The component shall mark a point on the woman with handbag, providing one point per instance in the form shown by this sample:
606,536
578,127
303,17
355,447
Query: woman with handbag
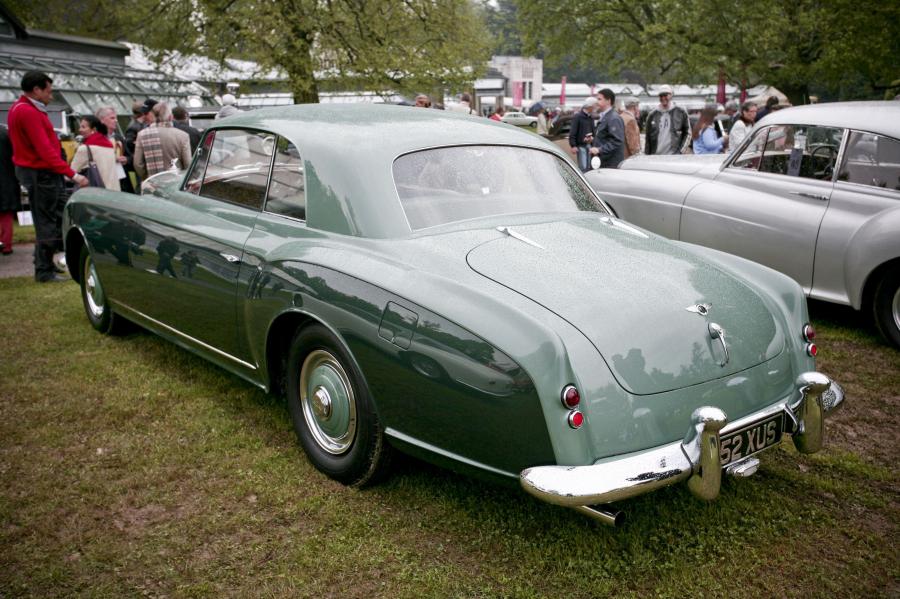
95,158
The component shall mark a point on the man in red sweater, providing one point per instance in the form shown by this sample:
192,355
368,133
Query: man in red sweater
40,167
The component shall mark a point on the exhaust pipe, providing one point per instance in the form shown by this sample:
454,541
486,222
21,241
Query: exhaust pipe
605,514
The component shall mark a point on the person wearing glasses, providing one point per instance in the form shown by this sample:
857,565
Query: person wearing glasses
668,126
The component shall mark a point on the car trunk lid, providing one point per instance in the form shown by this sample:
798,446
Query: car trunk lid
643,302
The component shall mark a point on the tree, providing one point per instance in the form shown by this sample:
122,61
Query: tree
795,45
374,45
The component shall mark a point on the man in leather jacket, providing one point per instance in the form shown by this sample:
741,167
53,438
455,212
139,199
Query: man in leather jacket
668,126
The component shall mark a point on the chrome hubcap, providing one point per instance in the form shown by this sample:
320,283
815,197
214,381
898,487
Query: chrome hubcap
328,402
93,290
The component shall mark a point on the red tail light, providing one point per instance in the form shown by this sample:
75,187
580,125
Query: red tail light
809,333
812,350
576,419
570,397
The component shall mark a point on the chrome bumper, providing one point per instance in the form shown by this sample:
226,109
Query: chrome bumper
695,459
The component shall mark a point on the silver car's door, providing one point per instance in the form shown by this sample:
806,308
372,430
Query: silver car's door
777,194
854,237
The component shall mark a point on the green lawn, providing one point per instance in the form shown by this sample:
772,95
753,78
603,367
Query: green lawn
23,234
128,467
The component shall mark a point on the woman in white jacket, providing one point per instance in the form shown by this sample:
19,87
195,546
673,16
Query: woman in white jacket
743,125
96,145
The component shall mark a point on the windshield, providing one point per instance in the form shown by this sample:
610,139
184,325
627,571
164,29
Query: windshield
446,185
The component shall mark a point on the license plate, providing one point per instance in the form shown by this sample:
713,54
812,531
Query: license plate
751,439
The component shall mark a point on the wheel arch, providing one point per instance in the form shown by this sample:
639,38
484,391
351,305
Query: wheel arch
74,242
872,280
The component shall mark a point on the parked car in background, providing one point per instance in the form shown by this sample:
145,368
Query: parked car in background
519,119
814,192
459,294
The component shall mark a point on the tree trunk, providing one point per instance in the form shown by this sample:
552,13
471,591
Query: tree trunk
797,93
304,88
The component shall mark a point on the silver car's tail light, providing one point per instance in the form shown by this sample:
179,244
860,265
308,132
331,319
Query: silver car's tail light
811,350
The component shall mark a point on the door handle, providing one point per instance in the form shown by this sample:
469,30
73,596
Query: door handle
229,257
814,196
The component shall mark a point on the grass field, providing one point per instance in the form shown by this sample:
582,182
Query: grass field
128,467
23,234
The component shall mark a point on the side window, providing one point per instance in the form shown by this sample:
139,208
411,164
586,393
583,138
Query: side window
871,159
801,151
287,194
238,167
752,154
195,177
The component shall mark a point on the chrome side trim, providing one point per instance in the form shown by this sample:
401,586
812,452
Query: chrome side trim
443,452
183,336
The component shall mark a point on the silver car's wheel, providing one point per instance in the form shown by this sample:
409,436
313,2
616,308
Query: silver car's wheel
328,401
886,306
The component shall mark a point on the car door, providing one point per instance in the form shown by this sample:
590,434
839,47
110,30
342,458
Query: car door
867,186
193,255
777,193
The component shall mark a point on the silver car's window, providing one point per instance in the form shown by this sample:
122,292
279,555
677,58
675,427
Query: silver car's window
871,159
752,155
801,151
446,185
286,191
238,167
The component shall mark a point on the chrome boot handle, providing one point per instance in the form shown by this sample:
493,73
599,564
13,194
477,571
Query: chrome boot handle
717,332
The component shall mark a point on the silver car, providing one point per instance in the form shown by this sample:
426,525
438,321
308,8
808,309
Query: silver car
814,192
520,119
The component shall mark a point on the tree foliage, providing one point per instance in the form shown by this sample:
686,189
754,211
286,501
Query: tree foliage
375,45
796,45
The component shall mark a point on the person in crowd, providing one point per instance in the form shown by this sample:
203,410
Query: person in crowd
731,113
10,197
107,116
97,148
498,114
182,121
581,133
668,126
142,117
543,127
743,125
704,135
40,168
423,101
465,104
630,114
609,137
160,144
771,103
229,107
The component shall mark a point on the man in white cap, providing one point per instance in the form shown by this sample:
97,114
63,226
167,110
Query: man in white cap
228,107
581,133
668,126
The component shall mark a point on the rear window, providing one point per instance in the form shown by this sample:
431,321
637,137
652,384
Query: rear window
446,185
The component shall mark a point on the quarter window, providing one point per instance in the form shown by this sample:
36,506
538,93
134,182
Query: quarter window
195,177
286,193
237,168
752,154
872,160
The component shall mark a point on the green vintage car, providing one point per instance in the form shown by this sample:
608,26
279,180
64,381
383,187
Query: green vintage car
451,287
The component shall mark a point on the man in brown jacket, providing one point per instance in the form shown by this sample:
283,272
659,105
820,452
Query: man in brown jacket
160,146
632,132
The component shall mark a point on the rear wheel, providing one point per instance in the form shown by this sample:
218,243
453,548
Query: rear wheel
332,411
93,296
887,306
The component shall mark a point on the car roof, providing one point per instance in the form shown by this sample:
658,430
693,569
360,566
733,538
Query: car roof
349,152
877,117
